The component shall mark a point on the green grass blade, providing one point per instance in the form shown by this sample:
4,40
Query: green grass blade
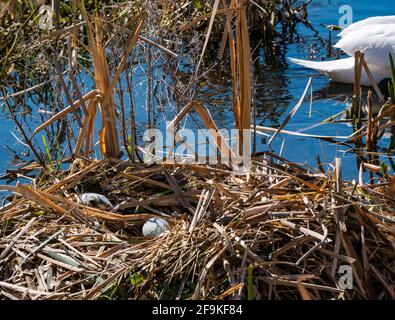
47,151
249,283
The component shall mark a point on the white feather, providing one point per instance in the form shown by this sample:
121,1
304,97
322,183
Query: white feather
366,23
376,42
375,37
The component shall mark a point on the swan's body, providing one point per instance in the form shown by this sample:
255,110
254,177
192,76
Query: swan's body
375,37
372,21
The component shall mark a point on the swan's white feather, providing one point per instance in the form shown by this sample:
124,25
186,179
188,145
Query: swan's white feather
375,37
341,70
376,42
366,23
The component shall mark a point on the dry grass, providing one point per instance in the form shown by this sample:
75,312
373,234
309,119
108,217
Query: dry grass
279,232
281,220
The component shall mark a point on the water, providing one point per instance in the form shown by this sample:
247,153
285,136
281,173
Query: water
278,90
324,12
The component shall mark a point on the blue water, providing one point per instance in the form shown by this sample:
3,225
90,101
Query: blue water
277,91
302,150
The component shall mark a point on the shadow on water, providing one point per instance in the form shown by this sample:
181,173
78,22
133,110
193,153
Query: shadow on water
271,81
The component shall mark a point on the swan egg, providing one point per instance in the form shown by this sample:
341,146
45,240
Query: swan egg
154,227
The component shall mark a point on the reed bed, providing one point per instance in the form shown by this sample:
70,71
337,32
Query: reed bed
282,232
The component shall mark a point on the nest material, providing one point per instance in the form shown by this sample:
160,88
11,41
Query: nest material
281,232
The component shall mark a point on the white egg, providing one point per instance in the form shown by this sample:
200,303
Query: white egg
154,227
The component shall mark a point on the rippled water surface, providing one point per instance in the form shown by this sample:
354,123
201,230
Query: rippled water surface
279,89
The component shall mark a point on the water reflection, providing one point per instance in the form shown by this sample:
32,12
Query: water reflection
278,86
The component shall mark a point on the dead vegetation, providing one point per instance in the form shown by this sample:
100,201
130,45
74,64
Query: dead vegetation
281,231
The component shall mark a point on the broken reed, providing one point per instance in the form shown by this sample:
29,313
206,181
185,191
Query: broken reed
360,66
237,15
237,35
373,129
102,97
372,126
356,110
277,235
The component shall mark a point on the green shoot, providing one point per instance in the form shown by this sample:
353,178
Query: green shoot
47,151
249,283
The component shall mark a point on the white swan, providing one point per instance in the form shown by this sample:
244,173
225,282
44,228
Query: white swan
375,37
